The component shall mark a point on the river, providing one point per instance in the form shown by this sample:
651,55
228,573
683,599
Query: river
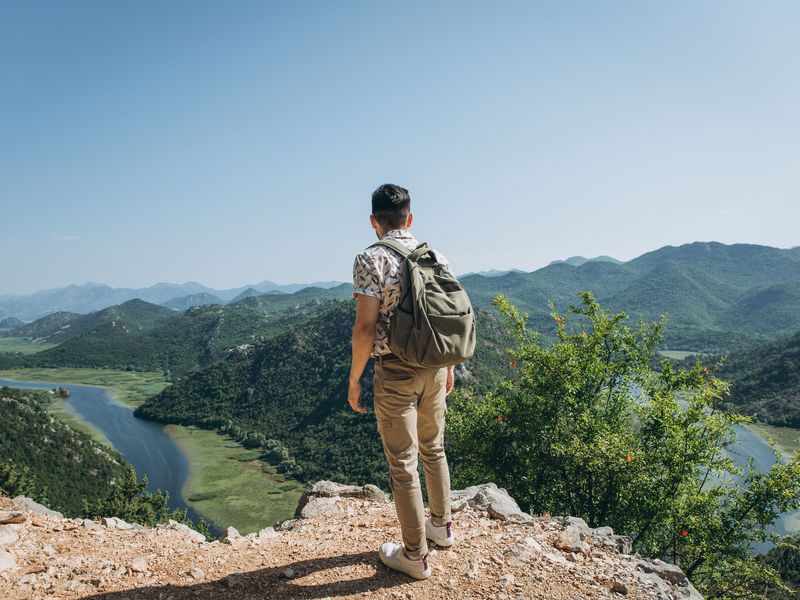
142,443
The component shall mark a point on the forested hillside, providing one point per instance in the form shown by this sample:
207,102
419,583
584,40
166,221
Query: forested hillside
765,381
63,465
293,389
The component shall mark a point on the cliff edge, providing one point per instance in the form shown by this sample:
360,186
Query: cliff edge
328,551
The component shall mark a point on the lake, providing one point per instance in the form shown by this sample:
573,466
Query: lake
142,443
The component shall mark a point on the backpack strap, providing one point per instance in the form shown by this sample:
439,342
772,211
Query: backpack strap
404,251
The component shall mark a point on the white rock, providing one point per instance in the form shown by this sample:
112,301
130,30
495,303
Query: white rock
7,561
139,564
196,573
288,572
8,534
230,534
506,579
533,544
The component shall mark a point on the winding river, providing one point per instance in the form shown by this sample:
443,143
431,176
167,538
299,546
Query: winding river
142,443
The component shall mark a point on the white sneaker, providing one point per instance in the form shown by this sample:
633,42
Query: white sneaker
441,535
392,556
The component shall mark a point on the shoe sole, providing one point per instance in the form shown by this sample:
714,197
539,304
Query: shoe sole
412,575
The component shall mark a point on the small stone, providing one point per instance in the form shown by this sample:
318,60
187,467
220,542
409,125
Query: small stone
230,534
139,564
506,579
569,540
288,572
90,525
619,588
196,573
533,544
48,550
109,522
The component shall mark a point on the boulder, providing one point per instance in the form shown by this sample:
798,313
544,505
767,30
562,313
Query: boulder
666,571
186,531
324,493
26,504
490,498
569,540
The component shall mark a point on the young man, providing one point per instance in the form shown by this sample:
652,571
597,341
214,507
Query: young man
409,401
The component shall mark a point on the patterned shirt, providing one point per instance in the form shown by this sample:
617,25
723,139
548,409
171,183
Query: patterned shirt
377,272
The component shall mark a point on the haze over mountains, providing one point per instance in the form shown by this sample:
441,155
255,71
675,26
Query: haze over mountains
90,297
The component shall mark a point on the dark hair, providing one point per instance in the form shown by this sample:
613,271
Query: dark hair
391,205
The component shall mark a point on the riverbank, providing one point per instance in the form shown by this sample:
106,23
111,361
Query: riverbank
225,484
229,485
787,439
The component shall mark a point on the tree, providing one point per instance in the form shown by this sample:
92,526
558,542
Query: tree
585,427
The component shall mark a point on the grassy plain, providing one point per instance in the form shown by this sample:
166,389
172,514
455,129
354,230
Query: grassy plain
130,388
676,354
22,345
229,485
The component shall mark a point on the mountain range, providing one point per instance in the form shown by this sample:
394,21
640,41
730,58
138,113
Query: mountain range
91,297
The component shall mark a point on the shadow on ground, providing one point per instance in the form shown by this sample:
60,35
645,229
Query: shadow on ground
309,581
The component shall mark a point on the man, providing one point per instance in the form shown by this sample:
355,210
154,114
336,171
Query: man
409,401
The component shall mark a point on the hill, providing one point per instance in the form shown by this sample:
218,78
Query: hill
765,381
292,389
186,302
64,465
135,315
10,323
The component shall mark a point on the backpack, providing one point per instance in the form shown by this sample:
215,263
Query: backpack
433,324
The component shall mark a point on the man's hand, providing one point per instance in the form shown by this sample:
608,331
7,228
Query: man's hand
354,396
448,385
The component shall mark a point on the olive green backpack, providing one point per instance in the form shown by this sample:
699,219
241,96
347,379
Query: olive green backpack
433,324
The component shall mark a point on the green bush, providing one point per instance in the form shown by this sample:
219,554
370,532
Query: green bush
585,427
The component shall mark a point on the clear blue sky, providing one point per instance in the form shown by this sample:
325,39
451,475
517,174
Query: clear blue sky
232,142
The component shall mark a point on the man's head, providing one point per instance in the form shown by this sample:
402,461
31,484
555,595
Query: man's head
391,208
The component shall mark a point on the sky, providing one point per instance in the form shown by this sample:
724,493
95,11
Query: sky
233,142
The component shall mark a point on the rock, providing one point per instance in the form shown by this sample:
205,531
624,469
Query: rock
331,489
90,525
533,544
8,534
7,561
139,564
288,572
196,573
188,532
319,506
109,522
230,534
666,571
569,540
619,587
492,499
28,505
267,533
506,579
48,550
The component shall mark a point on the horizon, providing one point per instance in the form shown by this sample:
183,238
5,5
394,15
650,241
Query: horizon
239,139
245,286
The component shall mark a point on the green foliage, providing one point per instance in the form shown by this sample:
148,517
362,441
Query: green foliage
17,480
61,463
585,427
129,500
785,559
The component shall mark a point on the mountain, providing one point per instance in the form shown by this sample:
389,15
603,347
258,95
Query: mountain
91,297
272,302
249,292
765,381
577,261
64,465
135,314
186,302
10,323
491,273
718,297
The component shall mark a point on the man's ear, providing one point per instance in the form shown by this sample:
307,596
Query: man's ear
374,222
409,220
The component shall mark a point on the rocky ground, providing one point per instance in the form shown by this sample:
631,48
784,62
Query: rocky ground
329,552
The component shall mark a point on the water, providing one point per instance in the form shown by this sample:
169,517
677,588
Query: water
142,443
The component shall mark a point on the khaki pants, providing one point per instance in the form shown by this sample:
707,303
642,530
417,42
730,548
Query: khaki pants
410,409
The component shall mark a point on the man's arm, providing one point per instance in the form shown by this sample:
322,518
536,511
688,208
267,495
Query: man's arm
367,308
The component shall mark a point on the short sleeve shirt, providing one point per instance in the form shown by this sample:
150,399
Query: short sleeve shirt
377,272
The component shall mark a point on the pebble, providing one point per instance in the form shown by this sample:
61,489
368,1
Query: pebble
7,561
139,564
8,534
196,573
